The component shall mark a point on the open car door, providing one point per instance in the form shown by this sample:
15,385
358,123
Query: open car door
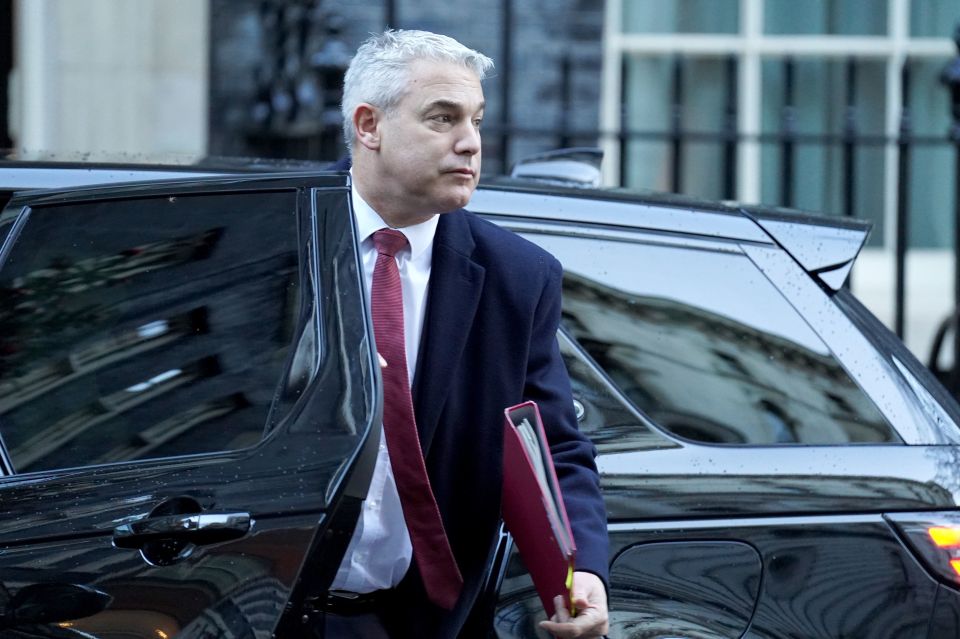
187,393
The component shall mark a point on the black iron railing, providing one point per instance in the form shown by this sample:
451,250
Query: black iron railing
676,137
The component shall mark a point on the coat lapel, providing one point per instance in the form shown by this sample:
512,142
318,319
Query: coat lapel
456,282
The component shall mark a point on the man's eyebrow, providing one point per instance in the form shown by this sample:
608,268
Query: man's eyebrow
450,105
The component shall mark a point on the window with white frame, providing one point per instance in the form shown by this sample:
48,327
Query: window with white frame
784,102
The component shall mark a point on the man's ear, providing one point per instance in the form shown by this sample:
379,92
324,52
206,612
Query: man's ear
366,123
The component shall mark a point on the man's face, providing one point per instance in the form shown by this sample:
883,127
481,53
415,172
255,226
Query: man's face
430,142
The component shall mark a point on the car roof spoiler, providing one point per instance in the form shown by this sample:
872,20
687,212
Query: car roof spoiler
825,247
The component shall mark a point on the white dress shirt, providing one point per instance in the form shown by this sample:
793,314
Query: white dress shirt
379,553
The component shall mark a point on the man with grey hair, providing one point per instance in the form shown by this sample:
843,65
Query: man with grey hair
465,319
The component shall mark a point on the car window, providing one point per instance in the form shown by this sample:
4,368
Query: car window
147,328
609,420
707,347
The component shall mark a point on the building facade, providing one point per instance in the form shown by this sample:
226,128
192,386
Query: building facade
832,106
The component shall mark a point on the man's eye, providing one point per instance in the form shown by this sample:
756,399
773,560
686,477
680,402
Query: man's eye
444,118
477,123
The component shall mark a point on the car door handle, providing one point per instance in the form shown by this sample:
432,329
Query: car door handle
195,528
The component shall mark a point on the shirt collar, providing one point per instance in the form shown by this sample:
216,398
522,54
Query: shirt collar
420,236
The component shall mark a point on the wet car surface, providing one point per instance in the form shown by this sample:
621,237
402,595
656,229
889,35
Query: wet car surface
187,387
765,444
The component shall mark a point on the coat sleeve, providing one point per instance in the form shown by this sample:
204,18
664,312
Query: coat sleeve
548,383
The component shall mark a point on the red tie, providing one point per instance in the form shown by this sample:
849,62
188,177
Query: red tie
431,549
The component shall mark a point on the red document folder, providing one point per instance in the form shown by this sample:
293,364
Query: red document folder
533,508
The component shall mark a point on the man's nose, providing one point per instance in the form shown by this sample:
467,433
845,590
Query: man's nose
468,139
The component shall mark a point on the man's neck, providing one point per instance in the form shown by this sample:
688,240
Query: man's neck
383,203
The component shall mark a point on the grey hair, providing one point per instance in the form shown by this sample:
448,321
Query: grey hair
379,72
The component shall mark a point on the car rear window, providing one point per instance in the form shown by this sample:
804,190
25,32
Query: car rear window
707,347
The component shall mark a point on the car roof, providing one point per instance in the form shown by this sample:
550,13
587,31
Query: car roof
60,171
825,246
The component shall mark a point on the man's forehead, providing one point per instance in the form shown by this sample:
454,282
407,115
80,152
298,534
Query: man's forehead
436,75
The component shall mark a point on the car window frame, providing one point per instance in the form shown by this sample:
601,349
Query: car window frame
849,342
896,352
780,269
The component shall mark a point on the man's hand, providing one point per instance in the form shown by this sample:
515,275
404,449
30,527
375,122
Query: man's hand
590,602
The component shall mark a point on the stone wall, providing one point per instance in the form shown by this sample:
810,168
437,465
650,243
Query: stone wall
110,76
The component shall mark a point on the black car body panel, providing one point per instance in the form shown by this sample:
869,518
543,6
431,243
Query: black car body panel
715,534
712,584
203,544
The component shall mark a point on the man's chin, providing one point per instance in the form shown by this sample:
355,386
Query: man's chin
456,200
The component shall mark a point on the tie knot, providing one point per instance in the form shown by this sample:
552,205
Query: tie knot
389,241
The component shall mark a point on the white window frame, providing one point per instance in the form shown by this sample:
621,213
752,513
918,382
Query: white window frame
751,46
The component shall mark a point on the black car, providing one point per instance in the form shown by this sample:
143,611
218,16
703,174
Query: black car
187,389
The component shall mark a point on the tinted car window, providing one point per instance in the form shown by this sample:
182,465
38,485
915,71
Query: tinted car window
611,423
707,347
146,328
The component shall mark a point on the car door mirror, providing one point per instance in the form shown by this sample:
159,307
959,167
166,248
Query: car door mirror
51,603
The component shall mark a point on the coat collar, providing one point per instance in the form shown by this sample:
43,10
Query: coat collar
456,282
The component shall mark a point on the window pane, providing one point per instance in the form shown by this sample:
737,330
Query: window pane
707,347
819,115
147,328
690,95
825,17
610,423
931,164
681,16
931,198
646,94
820,96
933,18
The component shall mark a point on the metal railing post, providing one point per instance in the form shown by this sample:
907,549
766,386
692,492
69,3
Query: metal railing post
390,16
676,126
566,100
849,187
623,136
902,229
730,130
950,76
849,140
504,73
788,129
